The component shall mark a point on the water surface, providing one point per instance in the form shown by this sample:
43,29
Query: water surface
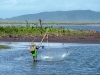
67,59
79,27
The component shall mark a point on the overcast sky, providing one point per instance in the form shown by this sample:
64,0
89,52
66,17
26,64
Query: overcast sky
11,8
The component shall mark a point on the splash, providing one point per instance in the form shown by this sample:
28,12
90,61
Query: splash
54,55
64,55
46,58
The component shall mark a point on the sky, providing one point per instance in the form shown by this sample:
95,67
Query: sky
13,8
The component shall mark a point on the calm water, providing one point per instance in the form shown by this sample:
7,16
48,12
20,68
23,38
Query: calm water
64,59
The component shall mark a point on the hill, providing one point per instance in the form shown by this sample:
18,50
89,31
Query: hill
60,16
0,18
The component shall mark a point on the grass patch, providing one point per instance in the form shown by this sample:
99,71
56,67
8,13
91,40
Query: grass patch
4,47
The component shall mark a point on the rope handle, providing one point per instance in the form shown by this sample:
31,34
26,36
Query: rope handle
43,37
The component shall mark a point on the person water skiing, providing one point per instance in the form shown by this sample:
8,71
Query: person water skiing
33,50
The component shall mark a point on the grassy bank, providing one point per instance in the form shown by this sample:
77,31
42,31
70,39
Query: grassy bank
37,30
4,47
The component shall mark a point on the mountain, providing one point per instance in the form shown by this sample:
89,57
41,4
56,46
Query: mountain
60,16
0,18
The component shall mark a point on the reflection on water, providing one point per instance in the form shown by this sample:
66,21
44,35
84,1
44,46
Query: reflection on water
65,59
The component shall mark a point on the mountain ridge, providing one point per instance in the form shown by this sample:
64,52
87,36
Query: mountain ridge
60,16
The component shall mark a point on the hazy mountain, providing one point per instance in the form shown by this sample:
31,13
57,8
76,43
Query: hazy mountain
0,18
60,16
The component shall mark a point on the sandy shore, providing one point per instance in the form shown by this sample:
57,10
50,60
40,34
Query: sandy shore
53,38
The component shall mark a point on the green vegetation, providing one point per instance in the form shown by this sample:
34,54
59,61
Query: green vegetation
4,47
37,30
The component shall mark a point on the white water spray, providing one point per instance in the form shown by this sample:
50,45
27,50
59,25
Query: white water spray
55,54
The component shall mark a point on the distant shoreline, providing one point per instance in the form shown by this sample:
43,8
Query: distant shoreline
25,34
49,23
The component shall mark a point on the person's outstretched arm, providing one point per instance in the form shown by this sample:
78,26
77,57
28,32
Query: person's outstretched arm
39,47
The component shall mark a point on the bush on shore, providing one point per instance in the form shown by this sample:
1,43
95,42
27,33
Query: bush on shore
37,30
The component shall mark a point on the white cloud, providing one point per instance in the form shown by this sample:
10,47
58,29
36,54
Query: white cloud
7,2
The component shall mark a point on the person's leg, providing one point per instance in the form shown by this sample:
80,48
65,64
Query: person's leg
34,58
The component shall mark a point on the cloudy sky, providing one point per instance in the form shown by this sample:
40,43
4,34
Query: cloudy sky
11,8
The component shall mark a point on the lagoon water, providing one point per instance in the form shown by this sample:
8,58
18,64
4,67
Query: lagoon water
95,27
79,27
63,59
